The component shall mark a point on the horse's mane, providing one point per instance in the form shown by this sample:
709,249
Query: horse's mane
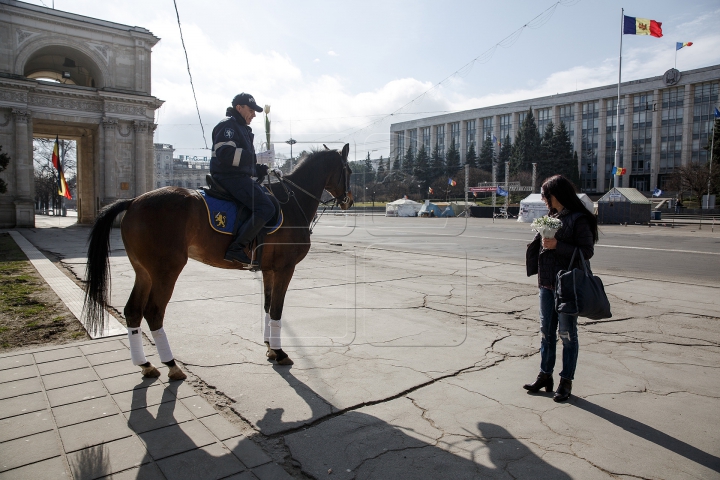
312,156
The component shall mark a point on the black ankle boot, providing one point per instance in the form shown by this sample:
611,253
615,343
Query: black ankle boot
563,391
543,380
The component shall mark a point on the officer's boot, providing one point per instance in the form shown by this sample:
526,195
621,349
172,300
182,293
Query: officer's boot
248,231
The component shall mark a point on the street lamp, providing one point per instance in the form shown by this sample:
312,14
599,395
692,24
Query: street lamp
291,142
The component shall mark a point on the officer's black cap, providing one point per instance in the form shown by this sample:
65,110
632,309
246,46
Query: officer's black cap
246,99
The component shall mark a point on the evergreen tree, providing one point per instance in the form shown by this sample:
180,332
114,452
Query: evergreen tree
471,158
547,160
380,174
563,162
526,147
409,162
4,162
487,155
504,155
452,161
396,164
369,170
575,175
422,167
437,164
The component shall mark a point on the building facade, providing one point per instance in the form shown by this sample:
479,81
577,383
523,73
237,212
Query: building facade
81,79
665,121
183,171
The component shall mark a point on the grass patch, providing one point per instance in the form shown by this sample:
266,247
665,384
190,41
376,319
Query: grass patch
30,312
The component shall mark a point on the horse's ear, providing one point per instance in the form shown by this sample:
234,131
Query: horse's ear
326,147
346,151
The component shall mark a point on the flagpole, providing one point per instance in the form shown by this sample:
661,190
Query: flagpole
617,123
712,147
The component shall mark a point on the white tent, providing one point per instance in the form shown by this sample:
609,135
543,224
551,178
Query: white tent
533,206
402,208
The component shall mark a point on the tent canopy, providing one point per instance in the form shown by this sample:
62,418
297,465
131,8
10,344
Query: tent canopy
630,195
533,206
402,208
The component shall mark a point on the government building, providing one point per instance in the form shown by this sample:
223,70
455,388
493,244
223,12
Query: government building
669,122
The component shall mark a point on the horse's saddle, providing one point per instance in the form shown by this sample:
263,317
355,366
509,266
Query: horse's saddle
226,214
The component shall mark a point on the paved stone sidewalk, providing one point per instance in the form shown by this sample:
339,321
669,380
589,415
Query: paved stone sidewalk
84,411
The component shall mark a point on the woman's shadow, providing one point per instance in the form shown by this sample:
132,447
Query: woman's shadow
358,445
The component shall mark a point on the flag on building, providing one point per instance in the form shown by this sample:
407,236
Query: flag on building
451,182
680,45
502,192
641,26
430,190
619,171
657,192
717,113
62,184
495,140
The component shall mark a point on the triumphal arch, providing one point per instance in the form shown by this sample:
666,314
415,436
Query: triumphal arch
83,79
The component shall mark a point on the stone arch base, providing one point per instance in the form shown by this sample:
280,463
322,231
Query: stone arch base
86,137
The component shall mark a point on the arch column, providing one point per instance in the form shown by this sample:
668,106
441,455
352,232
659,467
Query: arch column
24,179
141,129
110,184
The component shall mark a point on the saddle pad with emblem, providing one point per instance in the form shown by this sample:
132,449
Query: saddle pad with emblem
224,216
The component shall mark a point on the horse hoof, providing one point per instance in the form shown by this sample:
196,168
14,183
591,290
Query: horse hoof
176,374
150,372
285,361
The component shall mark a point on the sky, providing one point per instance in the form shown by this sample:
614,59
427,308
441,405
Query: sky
340,72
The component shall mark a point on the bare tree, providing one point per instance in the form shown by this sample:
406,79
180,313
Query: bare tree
46,179
694,178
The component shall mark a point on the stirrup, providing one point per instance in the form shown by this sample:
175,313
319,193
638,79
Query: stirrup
240,257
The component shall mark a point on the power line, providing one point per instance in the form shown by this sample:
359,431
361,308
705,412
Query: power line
484,57
182,40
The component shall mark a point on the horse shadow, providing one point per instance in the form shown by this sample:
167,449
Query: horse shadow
356,445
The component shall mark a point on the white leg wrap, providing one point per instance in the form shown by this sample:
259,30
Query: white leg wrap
137,355
266,328
275,334
162,345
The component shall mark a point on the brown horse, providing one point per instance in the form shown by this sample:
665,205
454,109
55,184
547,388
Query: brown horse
163,228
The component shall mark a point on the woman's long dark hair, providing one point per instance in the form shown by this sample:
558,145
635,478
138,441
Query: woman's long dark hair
564,191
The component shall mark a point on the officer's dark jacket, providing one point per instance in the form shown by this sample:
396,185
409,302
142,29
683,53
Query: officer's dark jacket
233,150
575,232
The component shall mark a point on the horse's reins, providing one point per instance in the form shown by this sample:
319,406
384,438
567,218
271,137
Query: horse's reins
282,180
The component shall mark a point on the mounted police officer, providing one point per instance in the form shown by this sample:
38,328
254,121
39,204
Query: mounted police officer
233,164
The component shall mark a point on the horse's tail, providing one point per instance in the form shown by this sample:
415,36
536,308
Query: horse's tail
97,273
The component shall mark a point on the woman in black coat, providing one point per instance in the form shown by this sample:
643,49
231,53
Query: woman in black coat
546,257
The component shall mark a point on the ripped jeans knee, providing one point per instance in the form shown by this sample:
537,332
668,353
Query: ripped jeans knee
567,337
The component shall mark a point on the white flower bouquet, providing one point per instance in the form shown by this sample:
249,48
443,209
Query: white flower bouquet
546,226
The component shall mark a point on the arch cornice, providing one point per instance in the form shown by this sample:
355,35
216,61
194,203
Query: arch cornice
35,44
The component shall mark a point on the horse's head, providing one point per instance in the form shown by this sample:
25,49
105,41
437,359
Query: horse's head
338,184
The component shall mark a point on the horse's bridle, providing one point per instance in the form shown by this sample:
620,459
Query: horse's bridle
346,174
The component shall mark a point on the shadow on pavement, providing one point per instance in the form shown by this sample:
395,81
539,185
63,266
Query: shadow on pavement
356,445
651,434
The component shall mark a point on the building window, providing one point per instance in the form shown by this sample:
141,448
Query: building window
400,150
671,131
521,117
567,116
487,128
544,116
455,134
611,132
158,185
470,133
441,140
704,100
505,127
413,140
425,132
589,147
641,141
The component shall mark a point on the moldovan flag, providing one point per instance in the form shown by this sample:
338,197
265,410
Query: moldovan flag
679,45
619,171
430,190
451,182
641,26
62,184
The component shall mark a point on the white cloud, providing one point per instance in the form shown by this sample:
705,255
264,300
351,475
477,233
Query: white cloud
332,54
317,60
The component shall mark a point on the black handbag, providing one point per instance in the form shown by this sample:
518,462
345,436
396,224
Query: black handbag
579,292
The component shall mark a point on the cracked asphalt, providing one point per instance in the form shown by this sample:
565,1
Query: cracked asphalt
412,339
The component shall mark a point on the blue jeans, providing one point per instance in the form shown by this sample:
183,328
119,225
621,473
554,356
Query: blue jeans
550,322
248,192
